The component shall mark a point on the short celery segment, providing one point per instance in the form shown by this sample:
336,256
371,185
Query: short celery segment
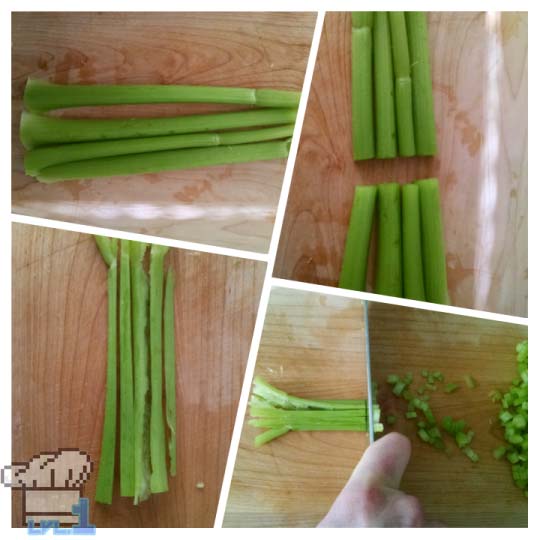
158,479
169,359
355,257
423,109
108,248
385,120
141,430
433,247
413,270
389,278
402,84
363,127
279,413
127,463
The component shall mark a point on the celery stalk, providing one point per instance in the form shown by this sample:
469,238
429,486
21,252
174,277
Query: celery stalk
388,279
127,466
37,130
141,441
169,360
41,96
39,158
385,122
166,160
355,257
423,110
363,129
158,479
105,479
433,249
413,272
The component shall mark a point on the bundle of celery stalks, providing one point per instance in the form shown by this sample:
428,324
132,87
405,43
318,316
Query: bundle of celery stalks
141,328
61,149
411,255
392,98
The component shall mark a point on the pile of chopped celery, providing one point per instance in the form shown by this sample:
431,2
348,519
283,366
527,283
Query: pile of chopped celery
514,419
279,413
141,329
429,429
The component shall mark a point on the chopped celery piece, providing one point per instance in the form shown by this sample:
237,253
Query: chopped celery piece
392,379
451,388
470,381
411,414
471,454
499,452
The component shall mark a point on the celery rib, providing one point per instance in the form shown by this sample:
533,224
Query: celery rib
169,359
105,479
166,160
42,96
158,479
40,158
38,130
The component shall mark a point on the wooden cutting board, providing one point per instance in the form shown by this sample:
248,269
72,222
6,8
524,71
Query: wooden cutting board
59,362
452,489
479,70
231,205
312,346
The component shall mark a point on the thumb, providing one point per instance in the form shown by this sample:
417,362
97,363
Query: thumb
383,463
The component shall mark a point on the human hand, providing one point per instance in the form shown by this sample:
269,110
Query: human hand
371,497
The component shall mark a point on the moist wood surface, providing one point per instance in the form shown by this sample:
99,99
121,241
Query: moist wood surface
479,69
312,346
452,489
230,205
59,363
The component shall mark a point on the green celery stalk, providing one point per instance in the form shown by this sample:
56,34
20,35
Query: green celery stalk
388,279
158,479
127,464
39,158
355,257
37,130
167,160
363,129
422,93
361,19
141,441
433,249
402,83
169,359
269,435
413,272
385,122
105,479
41,96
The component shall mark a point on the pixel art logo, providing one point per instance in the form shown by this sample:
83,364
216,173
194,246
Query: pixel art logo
52,487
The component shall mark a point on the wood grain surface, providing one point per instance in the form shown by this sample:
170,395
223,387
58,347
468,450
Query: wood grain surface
479,70
312,346
59,360
452,489
231,205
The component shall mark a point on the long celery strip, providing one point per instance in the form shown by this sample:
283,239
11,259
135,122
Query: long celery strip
433,248
413,272
167,160
139,294
388,279
355,257
127,466
385,122
40,158
105,479
158,480
402,84
37,130
423,110
363,128
41,96
169,360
